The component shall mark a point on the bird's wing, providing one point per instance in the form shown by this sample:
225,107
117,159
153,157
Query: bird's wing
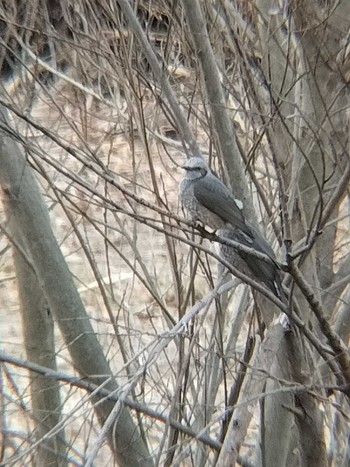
255,241
215,196
261,244
265,271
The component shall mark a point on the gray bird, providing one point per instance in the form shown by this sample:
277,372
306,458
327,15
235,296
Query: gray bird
208,200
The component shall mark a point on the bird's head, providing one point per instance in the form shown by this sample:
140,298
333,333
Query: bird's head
195,167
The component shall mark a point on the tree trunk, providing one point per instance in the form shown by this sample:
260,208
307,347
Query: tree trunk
38,330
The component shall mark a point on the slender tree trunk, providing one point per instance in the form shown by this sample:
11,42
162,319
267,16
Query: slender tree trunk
38,330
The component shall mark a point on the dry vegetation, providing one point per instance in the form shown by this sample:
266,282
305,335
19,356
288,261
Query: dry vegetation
96,125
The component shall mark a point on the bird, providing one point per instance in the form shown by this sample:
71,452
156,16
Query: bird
209,201
200,193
